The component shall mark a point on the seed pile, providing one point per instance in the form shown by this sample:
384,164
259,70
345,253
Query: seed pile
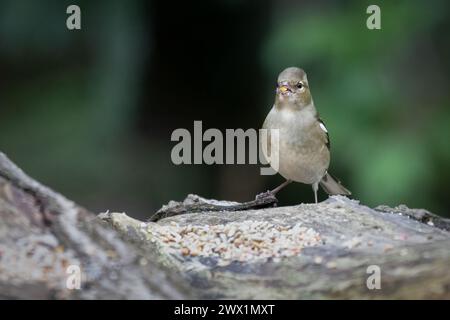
236,241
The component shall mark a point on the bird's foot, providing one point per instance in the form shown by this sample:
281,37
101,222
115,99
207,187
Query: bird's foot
266,196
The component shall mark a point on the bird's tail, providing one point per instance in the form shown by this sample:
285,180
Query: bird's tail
333,186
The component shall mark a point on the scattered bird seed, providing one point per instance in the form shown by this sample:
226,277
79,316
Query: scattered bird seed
236,241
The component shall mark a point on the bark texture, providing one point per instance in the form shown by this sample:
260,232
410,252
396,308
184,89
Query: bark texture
42,234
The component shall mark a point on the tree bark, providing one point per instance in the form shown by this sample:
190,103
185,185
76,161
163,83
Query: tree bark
42,233
336,244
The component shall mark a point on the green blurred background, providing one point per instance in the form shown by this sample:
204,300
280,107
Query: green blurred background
90,112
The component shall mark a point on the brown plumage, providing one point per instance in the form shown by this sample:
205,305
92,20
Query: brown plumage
304,145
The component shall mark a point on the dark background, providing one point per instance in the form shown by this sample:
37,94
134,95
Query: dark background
90,113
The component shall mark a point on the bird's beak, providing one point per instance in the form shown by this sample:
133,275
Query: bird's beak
284,89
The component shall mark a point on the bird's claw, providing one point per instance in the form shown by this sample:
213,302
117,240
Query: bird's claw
263,195
268,194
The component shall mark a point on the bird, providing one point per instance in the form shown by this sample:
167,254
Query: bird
303,140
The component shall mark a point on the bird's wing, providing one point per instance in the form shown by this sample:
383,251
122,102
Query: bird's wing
323,128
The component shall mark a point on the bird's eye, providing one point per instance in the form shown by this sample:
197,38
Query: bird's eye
299,85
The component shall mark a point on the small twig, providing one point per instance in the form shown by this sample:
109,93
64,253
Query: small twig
194,204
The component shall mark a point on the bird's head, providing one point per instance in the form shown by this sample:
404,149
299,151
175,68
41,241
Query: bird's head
292,89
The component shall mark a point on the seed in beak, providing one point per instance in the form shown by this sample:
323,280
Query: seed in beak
283,89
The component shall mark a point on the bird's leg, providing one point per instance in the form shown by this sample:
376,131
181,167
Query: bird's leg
272,193
315,187
281,186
